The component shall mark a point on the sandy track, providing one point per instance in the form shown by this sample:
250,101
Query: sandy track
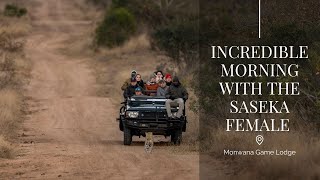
70,132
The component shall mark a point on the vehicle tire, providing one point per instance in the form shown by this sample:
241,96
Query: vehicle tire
176,137
127,136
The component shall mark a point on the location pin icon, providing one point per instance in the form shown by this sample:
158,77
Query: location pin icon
259,139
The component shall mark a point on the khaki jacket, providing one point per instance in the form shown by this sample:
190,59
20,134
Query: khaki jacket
126,84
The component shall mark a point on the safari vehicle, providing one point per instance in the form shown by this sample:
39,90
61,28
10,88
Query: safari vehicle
142,114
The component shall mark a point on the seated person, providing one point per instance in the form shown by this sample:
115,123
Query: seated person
159,76
131,89
151,86
176,93
127,82
152,80
168,79
138,91
162,88
140,81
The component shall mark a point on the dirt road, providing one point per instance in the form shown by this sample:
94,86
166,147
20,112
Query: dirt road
70,132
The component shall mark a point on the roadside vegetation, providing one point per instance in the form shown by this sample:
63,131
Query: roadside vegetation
14,70
14,10
117,26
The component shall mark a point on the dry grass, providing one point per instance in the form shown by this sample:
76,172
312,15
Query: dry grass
14,69
6,150
305,165
9,111
10,104
134,45
15,27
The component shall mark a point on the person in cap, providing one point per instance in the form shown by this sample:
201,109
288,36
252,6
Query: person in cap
168,79
127,82
176,93
131,89
138,91
162,88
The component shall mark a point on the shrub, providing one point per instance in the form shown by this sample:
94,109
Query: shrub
117,27
179,39
119,3
13,10
22,12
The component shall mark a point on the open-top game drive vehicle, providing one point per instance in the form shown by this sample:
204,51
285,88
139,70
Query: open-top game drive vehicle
142,114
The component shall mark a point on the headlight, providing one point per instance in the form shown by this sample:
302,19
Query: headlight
132,114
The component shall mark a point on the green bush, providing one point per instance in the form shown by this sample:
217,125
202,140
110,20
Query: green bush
179,38
117,27
119,3
13,10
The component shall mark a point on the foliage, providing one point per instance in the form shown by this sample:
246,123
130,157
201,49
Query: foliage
119,3
13,10
179,39
117,27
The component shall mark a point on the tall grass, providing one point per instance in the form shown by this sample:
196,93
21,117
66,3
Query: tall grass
9,112
15,27
9,120
13,71
6,150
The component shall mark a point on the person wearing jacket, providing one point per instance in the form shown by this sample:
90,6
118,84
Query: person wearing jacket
151,85
131,89
176,93
128,81
162,89
168,79
140,81
159,76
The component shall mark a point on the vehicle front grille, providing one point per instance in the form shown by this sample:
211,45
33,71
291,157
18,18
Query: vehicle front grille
153,115
162,115
147,115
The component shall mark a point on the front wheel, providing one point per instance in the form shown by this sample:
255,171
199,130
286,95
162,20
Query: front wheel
176,137
127,136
